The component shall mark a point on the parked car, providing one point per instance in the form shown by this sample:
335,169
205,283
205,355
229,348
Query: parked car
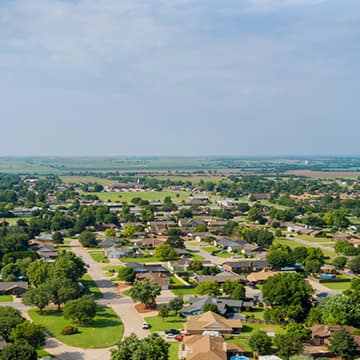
172,331
170,336
179,337
145,325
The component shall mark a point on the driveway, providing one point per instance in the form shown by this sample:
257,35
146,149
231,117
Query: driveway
214,259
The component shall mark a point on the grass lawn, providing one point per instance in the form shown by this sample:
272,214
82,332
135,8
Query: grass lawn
196,257
98,256
90,284
241,342
186,291
103,331
175,281
6,298
127,292
42,353
337,285
257,313
174,350
140,259
210,249
313,239
248,329
158,324
144,195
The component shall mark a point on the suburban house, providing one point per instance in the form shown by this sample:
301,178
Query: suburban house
228,203
260,277
148,243
17,288
197,304
146,268
231,245
48,254
210,321
259,196
245,266
155,278
222,277
160,227
108,243
116,253
320,334
199,347
4,223
190,223
179,265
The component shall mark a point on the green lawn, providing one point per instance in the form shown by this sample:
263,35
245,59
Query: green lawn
174,350
158,324
42,353
140,259
210,249
148,195
241,342
6,298
248,329
313,239
257,313
293,244
186,291
90,285
103,331
98,256
175,281
337,285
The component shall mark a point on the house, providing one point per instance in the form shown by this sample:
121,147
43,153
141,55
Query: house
101,226
179,265
228,203
155,278
108,243
190,223
116,253
4,223
245,266
17,288
320,334
199,347
146,268
210,321
48,254
231,245
160,227
260,277
149,243
222,277
259,196
197,304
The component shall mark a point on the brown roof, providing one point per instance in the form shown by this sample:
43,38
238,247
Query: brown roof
154,277
205,348
211,321
260,276
9,285
327,330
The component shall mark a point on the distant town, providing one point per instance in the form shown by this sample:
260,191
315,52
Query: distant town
217,264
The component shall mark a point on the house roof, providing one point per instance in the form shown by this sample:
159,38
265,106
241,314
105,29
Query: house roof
8,285
211,321
261,276
205,347
222,277
158,278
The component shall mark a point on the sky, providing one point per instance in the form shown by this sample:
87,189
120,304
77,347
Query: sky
179,77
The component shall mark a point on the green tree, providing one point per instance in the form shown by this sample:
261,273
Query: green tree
38,297
312,266
288,345
61,290
152,347
32,333
163,311
110,233
354,264
278,259
235,289
68,266
300,254
58,237
176,304
210,307
260,343
129,231
210,287
126,274
300,331
9,319
145,292
340,262
88,239
38,272
165,252
341,310
343,344
18,350
81,310
291,293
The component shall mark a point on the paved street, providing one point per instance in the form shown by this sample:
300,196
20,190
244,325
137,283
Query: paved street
205,254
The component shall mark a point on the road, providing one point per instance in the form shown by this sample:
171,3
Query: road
122,305
205,254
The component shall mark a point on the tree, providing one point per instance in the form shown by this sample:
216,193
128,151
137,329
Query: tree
32,333
18,350
210,287
58,237
88,239
175,241
38,297
343,344
260,343
300,254
354,264
10,272
341,310
129,231
176,304
163,311
68,266
152,347
145,292
38,272
110,233
312,266
61,290
126,274
288,345
340,262
210,307
291,293
279,259
300,331
165,252
81,310
235,289
9,319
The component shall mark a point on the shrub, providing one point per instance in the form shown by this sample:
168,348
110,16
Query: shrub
69,330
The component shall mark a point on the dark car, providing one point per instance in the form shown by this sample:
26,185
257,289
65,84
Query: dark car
172,331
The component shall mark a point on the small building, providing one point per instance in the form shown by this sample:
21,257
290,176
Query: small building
245,266
199,347
17,288
210,321
155,278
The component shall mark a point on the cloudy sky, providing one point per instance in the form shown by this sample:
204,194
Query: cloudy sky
179,77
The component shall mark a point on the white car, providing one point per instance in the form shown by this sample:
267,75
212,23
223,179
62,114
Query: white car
170,336
145,325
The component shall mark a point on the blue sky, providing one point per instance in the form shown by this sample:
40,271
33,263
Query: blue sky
179,77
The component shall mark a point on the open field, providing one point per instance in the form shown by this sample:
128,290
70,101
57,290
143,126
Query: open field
324,174
86,180
337,285
103,331
293,244
176,196
159,324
